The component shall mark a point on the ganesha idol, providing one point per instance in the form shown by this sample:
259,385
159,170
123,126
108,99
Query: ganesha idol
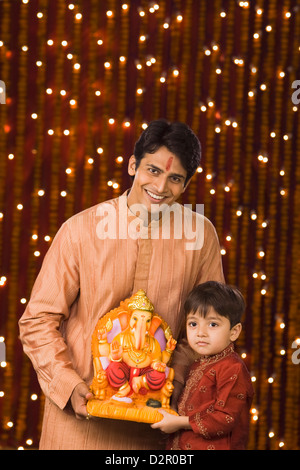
131,348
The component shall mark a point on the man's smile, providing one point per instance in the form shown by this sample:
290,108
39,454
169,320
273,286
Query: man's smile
154,196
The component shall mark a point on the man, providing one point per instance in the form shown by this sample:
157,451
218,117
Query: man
141,240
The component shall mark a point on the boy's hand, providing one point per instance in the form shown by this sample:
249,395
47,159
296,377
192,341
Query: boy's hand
171,423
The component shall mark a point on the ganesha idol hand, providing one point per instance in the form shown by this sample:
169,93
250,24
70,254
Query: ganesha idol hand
171,344
159,366
102,334
116,351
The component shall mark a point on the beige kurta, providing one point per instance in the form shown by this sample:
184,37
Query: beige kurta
98,258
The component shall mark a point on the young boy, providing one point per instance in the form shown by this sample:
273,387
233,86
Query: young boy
214,406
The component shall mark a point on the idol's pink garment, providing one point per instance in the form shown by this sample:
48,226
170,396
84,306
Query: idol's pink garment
84,275
217,399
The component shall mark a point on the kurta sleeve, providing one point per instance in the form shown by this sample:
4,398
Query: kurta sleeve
220,416
54,291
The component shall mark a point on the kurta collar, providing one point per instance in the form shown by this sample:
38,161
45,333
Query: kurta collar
207,360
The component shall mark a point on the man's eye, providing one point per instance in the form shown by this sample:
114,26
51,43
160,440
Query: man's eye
175,179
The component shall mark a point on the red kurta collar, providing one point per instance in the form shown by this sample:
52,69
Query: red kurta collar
207,360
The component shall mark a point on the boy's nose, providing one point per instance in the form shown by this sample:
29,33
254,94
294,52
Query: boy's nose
201,332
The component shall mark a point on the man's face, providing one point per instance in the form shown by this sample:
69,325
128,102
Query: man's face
159,179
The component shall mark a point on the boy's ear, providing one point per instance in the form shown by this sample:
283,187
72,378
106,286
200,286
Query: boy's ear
235,331
131,165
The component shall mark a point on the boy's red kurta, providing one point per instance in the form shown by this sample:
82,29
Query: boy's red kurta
217,399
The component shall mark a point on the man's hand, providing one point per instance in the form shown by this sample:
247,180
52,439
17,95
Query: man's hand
79,398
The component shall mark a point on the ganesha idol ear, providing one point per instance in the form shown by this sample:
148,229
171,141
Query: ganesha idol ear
123,319
155,322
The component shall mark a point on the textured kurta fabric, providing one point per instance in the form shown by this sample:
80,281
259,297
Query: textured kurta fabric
86,272
217,400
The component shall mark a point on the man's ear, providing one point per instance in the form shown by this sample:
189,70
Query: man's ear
131,165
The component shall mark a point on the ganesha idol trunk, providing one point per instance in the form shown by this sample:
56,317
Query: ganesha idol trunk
131,349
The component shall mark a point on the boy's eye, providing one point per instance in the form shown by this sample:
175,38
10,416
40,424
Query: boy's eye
192,324
213,324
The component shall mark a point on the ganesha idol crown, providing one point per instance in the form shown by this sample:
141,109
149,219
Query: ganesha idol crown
141,302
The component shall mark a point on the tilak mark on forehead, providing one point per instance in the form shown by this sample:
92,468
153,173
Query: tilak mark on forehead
169,163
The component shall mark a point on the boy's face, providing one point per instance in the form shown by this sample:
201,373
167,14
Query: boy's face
159,179
210,335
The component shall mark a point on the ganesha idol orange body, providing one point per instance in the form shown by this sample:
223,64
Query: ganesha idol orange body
131,349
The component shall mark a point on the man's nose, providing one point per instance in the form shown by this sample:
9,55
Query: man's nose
161,184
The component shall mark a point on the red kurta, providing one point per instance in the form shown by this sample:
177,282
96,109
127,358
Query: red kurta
217,398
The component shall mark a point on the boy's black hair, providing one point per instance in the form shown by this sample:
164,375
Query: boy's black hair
177,137
226,300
